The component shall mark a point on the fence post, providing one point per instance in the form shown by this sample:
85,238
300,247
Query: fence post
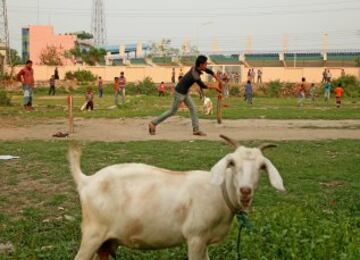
71,118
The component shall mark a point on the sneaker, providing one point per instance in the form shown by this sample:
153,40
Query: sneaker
152,129
199,133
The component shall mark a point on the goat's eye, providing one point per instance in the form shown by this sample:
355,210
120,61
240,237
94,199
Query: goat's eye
231,163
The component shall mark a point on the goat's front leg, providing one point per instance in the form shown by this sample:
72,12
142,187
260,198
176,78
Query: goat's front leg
197,249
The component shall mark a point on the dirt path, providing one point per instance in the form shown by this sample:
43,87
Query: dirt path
178,128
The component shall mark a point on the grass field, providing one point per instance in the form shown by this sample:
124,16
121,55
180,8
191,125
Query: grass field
319,217
141,106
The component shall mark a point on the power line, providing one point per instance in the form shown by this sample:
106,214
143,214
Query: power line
243,7
197,14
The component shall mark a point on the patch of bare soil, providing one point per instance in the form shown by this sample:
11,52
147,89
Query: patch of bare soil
177,128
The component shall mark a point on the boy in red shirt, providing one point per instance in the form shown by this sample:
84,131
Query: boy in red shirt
89,96
116,89
338,93
161,89
26,77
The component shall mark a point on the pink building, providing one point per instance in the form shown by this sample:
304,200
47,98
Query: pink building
36,38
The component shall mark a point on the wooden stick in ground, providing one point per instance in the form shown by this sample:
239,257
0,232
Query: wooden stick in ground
219,108
71,118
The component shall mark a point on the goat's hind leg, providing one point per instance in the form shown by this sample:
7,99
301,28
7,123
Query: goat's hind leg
90,244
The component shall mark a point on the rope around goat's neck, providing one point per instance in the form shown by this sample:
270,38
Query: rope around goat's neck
241,217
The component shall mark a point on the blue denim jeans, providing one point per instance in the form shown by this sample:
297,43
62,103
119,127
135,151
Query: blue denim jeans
27,95
178,98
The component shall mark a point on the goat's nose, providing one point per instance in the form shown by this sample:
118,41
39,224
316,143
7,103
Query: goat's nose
245,191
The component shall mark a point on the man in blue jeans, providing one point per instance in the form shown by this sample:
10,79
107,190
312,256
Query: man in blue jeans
26,77
182,94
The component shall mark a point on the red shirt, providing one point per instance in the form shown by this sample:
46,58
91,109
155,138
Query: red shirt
116,85
26,76
122,82
161,88
339,91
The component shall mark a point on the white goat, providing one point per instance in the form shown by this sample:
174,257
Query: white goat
145,207
207,106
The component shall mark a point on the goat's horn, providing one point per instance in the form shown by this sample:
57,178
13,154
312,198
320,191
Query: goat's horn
230,141
263,147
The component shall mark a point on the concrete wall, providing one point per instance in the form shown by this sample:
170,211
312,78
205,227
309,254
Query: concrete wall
159,74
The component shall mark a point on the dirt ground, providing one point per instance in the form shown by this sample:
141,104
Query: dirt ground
177,128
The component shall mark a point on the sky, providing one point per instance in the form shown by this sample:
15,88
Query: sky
231,25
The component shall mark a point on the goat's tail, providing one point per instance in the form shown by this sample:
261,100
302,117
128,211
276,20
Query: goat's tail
74,156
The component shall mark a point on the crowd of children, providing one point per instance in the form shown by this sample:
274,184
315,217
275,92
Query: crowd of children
327,87
120,84
26,77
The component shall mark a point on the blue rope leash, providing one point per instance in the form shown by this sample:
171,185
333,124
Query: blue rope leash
243,222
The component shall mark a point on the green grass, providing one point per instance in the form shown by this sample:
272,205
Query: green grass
143,106
310,221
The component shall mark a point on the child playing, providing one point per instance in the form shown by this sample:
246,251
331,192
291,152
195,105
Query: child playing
312,92
327,90
301,95
122,84
248,92
116,89
338,93
52,85
161,89
89,96
100,87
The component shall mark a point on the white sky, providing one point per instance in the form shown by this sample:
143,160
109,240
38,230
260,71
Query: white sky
229,22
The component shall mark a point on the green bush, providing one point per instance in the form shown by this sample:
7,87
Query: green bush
146,87
4,98
6,76
80,76
131,88
275,88
69,75
350,84
235,91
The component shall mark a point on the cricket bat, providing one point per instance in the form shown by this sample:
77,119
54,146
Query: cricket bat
83,106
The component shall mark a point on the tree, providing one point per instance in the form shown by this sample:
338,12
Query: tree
50,56
84,36
163,49
15,58
92,57
189,50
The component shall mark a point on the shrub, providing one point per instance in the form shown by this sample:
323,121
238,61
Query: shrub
235,91
146,87
131,88
80,75
4,98
275,88
350,85
69,75
6,76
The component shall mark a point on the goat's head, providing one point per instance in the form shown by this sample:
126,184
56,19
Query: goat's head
243,168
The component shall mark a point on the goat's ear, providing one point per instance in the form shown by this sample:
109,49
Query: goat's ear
219,169
274,175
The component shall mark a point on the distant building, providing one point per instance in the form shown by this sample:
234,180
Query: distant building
36,38
117,56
